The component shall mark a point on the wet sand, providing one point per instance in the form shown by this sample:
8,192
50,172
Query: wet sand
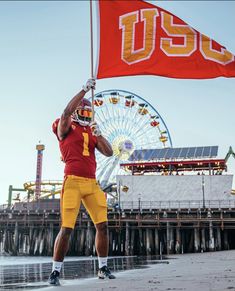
195,272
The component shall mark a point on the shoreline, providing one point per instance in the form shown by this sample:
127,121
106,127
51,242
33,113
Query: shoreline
211,271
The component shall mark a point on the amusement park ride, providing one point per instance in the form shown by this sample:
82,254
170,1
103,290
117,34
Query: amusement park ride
132,125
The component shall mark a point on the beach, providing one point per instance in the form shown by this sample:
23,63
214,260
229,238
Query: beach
212,271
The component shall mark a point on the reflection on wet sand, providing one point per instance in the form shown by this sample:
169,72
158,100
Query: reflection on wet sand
31,276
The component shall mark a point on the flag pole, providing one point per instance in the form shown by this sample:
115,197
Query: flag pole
92,60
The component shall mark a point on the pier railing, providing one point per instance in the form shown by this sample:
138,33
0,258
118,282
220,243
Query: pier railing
53,205
180,204
40,206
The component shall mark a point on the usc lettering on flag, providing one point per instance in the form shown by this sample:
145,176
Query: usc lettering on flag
138,38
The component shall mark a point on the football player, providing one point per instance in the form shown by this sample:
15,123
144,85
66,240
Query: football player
78,138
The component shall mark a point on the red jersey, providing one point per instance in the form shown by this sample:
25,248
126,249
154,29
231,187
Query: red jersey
78,150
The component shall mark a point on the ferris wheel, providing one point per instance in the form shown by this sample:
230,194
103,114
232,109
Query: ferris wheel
129,122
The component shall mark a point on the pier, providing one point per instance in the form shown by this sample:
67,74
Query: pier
145,228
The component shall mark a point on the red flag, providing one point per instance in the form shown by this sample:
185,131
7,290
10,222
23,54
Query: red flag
138,38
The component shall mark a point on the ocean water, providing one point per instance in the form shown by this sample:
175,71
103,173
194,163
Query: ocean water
28,273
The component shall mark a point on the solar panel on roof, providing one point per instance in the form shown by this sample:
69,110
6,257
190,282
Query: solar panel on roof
174,153
164,153
134,155
161,153
183,153
214,151
198,152
143,154
186,155
131,158
171,155
168,153
149,155
138,155
156,153
206,152
191,152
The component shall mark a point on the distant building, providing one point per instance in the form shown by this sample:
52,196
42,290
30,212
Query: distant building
156,179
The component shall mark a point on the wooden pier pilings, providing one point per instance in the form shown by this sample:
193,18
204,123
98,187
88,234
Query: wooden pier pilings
146,232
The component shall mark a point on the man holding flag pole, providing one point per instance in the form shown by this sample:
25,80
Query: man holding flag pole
78,135
78,138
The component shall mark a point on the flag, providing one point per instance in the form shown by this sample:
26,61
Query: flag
138,38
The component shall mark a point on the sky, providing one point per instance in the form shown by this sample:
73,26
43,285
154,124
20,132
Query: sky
45,60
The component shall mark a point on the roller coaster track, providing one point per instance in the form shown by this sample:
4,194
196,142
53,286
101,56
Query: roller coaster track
48,188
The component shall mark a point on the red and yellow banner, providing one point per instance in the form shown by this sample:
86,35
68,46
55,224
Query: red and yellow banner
138,38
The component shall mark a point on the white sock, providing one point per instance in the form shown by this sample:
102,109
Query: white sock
102,261
56,266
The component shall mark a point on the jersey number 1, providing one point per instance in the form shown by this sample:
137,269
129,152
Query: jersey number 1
85,144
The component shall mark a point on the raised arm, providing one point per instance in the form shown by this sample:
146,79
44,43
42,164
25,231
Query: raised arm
65,119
